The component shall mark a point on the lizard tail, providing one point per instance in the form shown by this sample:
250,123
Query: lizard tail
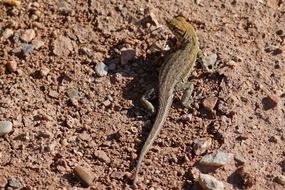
164,107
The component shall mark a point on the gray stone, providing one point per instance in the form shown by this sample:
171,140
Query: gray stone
101,69
217,159
102,156
7,33
209,62
210,59
210,183
5,127
201,145
14,183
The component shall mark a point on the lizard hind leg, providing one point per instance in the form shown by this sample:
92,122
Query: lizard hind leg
148,95
187,88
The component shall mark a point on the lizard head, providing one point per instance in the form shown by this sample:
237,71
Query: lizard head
180,27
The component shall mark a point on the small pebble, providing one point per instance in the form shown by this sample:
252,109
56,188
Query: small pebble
62,46
274,50
14,183
85,51
117,175
280,32
44,71
73,93
208,182
53,94
22,137
12,66
273,100
101,69
28,35
270,102
186,117
201,145
102,156
107,103
7,33
83,175
5,127
85,136
209,103
45,134
247,175
274,139
210,60
3,181
216,159
195,173
127,54
280,179
239,159
38,44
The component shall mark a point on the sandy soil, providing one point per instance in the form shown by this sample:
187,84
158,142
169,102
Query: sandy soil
65,112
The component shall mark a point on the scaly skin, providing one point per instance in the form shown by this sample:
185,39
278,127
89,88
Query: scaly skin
176,69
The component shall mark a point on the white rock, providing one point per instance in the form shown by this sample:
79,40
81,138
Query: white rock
101,69
210,183
7,33
28,35
5,127
217,159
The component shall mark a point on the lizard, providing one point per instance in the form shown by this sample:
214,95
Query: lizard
173,76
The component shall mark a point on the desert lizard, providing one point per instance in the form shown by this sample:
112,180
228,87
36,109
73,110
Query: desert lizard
173,76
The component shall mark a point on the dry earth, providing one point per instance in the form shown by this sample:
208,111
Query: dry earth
69,109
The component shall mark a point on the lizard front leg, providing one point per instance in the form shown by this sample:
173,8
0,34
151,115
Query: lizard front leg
148,95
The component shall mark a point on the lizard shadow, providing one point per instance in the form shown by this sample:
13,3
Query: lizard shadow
141,74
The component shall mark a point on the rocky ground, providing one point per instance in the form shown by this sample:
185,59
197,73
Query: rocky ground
72,74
